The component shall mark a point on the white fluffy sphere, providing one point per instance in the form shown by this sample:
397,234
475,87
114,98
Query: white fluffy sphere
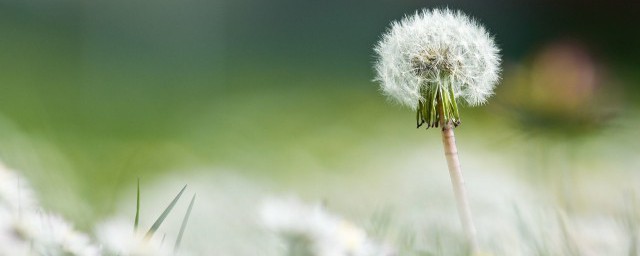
431,46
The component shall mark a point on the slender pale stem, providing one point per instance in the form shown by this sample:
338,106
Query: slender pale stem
451,153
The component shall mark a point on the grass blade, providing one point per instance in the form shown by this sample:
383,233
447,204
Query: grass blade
184,223
137,219
164,214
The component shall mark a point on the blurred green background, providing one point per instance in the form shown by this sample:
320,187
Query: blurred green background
94,94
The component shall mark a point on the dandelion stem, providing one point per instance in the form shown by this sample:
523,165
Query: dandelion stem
451,153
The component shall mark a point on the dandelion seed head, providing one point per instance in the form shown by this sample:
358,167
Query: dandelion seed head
432,47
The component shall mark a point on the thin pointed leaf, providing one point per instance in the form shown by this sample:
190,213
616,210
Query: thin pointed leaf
184,223
164,214
137,219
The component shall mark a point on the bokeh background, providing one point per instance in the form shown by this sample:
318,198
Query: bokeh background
95,94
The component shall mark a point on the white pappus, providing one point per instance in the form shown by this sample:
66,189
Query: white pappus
436,57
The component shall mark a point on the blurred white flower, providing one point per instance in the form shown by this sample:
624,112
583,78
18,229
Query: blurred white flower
27,230
52,235
437,55
14,235
118,237
15,191
325,234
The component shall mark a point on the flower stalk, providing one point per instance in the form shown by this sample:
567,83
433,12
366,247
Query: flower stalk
457,180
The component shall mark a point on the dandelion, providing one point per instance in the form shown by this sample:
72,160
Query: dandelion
434,58
428,62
